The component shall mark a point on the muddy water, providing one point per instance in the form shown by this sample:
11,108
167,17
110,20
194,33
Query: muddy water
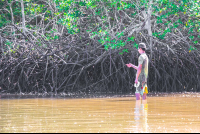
157,114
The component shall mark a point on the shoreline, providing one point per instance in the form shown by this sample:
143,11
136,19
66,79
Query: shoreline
98,95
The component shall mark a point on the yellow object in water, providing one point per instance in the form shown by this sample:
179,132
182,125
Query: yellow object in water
145,90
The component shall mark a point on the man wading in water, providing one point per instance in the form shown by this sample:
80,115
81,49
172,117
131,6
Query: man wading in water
142,72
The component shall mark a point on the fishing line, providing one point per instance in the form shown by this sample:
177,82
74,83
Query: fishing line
107,78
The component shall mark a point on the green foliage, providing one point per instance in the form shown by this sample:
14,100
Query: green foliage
131,38
192,48
71,17
8,43
164,9
135,45
102,18
172,10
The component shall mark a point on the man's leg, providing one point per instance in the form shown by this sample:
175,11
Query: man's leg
144,97
137,95
139,92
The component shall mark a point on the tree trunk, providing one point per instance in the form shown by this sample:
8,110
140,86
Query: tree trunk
12,21
23,17
149,27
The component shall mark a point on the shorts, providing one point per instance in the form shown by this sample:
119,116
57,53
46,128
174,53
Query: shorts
140,88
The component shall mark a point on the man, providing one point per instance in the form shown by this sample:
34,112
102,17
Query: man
142,72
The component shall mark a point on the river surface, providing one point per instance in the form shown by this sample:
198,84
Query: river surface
179,113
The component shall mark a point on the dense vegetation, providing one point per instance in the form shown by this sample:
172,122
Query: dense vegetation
82,46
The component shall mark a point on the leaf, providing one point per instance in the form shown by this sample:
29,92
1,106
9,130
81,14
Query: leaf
120,34
121,53
131,39
191,37
113,41
125,50
56,37
135,45
195,42
107,38
8,43
106,47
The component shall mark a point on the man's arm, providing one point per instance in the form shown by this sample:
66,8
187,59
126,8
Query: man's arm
133,66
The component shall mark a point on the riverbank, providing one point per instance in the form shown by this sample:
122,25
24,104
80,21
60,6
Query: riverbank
98,95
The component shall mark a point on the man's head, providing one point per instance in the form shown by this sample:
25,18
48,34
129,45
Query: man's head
141,48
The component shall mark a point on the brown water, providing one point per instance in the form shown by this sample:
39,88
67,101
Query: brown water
157,114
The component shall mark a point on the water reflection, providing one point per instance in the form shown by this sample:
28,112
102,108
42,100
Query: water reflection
140,116
160,114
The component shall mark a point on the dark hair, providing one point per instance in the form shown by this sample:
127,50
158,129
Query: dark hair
142,48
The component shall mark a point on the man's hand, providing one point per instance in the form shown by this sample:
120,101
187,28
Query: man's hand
136,81
128,65
131,65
